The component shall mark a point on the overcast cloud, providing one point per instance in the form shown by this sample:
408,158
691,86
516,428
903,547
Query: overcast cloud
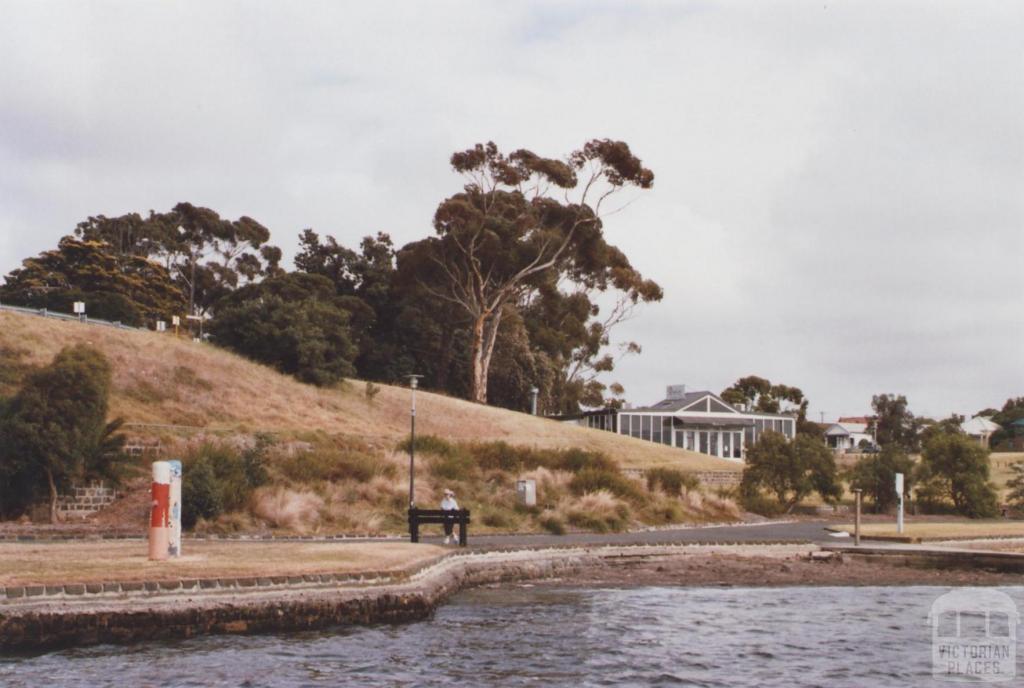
839,195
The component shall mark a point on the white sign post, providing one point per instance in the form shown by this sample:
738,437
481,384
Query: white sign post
79,308
899,503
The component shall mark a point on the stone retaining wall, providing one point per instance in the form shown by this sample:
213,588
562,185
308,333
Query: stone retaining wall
83,501
45,617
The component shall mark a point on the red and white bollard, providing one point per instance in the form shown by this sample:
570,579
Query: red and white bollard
160,516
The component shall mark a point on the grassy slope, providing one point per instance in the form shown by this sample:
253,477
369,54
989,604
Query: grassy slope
163,380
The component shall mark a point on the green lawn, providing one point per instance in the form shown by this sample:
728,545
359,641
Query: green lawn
957,530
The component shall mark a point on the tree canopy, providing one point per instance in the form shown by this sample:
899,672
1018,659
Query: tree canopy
207,256
956,467
129,288
54,430
876,475
893,422
522,221
789,471
294,322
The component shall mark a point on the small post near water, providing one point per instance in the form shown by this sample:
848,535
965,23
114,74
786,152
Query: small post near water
856,518
899,503
159,517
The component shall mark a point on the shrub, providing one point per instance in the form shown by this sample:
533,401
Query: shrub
371,391
552,523
333,465
596,479
503,456
576,460
876,475
671,480
200,495
456,466
788,470
600,512
217,479
497,518
957,467
429,444
286,508
53,427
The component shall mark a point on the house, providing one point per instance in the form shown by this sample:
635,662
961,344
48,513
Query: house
980,429
845,435
699,421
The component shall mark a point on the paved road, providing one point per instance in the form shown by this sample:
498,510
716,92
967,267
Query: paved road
800,531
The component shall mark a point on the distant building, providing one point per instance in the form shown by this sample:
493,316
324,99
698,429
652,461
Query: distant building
847,435
980,429
698,421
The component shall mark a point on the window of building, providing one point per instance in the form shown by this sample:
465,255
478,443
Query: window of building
646,432
633,425
656,429
727,444
714,444
703,443
691,442
666,430
737,447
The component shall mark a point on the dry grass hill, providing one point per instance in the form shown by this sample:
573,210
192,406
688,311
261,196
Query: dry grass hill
333,464
164,380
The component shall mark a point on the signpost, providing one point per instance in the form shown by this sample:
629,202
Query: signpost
161,326
899,503
856,519
413,380
79,308
176,321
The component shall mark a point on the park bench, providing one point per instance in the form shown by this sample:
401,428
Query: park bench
418,517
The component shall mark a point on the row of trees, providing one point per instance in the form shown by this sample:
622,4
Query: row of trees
54,431
953,470
501,298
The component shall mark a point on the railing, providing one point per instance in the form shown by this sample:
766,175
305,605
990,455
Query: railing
43,312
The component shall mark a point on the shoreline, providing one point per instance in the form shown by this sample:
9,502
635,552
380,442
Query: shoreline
33,624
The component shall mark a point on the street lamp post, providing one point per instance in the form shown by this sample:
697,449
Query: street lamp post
413,380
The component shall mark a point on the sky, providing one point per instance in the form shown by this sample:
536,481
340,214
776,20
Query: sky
839,186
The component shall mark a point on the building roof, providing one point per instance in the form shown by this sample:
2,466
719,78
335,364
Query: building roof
979,426
718,405
844,420
672,405
840,429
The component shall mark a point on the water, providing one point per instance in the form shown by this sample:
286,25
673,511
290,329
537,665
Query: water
544,636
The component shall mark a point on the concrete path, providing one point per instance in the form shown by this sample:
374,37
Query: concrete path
798,531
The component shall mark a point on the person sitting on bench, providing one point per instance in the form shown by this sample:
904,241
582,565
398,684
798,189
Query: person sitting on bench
449,504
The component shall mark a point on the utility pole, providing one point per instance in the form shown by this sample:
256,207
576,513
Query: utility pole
413,381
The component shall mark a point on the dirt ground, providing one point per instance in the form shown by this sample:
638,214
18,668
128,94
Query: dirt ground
93,562
746,569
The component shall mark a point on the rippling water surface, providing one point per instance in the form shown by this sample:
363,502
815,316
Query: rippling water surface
555,636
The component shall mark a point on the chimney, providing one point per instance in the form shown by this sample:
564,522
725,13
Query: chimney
673,392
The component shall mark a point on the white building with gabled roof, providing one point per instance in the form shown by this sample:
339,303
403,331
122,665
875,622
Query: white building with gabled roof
699,421
980,429
847,435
